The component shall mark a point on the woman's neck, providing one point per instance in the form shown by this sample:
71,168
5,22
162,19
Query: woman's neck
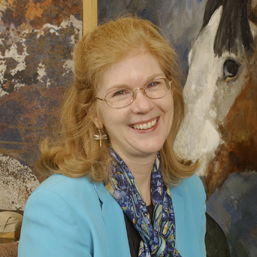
141,168
143,180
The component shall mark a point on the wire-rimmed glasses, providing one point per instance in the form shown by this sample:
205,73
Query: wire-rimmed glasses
122,97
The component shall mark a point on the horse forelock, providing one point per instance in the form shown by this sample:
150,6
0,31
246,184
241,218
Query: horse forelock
210,7
234,29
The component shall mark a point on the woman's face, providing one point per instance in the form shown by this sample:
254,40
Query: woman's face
126,136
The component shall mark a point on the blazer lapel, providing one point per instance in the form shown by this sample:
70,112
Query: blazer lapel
114,223
178,205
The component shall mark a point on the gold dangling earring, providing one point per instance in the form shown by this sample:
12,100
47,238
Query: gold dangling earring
100,137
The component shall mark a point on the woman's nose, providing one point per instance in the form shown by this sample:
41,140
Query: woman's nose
141,103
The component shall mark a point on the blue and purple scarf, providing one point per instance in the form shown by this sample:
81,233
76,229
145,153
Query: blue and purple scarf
158,238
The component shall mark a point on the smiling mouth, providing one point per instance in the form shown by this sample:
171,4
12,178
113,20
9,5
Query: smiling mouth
147,125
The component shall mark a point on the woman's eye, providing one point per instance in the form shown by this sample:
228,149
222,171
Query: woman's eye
121,92
153,84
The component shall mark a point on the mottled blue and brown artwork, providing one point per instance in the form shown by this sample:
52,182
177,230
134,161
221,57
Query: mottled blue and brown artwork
216,43
37,38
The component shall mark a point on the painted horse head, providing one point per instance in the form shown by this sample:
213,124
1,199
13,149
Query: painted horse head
220,126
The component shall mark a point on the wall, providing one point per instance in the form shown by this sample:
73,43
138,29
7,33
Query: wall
36,42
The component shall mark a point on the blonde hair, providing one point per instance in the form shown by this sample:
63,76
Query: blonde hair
74,152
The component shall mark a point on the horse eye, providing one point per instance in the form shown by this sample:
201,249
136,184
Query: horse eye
230,68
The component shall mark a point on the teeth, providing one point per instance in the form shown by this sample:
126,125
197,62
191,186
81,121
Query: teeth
146,125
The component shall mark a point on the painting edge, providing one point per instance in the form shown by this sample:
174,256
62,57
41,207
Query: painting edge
89,15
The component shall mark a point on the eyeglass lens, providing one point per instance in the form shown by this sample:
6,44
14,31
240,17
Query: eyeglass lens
119,98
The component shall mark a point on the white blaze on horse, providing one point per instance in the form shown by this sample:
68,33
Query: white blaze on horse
221,108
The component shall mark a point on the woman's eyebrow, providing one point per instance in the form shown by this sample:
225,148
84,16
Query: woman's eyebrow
125,85
118,86
154,76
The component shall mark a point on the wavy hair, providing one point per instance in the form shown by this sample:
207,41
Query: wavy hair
73,150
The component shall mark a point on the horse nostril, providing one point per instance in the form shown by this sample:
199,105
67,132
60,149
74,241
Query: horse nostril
230,68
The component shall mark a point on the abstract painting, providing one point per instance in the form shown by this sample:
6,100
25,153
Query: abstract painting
37,38
215,41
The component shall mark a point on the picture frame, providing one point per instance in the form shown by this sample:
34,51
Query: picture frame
89,15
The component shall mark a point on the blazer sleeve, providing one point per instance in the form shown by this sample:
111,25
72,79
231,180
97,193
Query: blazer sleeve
50,228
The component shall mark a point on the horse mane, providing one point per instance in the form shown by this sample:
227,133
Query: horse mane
234,29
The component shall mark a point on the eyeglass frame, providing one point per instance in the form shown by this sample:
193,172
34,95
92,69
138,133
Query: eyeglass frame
133,96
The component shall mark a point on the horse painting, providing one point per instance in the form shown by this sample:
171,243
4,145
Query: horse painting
220,126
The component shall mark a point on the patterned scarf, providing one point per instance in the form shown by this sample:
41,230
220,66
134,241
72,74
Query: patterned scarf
158,239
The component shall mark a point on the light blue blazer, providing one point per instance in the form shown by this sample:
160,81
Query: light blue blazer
73,217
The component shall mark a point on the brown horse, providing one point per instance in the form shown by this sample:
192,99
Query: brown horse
220,125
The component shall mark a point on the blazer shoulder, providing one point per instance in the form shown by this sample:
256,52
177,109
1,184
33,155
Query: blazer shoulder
73,191
60,183
191,187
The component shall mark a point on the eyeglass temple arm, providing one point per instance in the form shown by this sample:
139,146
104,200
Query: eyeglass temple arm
101,99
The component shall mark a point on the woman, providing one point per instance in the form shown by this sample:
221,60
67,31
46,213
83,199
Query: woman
121,191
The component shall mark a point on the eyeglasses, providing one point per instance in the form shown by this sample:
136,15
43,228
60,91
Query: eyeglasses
122,97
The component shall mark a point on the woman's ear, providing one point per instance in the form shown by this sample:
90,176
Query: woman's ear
97,121
95,117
